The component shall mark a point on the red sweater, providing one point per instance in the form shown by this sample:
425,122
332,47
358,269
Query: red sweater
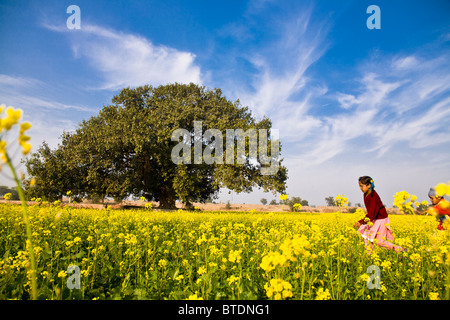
375,208
442,211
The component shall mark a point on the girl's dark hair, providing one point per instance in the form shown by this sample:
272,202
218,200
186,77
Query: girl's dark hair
366,180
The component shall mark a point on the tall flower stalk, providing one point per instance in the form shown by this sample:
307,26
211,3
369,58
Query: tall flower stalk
6,123
283,199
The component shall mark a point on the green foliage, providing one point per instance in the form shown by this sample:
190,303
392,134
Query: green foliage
126,150
330,201
292,201
14,194
51,174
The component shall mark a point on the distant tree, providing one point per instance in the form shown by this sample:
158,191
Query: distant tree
273,202
330,201
51,174
295,200
4,190
264,201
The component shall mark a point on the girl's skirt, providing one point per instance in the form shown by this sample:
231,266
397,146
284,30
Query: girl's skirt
380,231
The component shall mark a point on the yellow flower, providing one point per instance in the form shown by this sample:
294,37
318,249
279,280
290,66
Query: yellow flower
278,289
62,274
364,277
434,295
442,189
193,297
11,119
235,256
69,243
148,206
179,278
3,152
26,148
232,280
386,264
341,201
286,294
271,260
444,204
201,270
323,294
162,263
383,288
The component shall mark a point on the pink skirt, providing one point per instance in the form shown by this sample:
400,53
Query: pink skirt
381,230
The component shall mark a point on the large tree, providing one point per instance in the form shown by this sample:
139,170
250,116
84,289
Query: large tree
128,148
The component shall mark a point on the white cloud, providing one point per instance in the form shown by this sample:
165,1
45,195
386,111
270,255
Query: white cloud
16,81
405,63
131,60
346,100
48,117
281,88
428,130
27,93
391,109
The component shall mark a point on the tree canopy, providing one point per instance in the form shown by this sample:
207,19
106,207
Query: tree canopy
127,149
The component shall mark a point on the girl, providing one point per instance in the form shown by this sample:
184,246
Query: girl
375,225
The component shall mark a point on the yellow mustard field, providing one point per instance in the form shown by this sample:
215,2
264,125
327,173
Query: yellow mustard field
143,254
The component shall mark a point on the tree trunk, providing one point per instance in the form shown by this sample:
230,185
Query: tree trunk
167,203
188,205
167,198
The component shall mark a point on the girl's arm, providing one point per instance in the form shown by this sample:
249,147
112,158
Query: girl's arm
372,205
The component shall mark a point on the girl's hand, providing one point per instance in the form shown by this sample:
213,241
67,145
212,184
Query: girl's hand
357,225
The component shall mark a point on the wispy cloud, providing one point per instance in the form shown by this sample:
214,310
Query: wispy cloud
49,117
281,88
407,103
395,99
125,59
29,93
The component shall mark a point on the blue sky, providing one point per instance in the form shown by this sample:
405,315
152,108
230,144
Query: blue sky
348,101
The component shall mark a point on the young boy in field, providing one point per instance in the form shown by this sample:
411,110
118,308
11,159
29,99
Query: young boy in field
440,209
